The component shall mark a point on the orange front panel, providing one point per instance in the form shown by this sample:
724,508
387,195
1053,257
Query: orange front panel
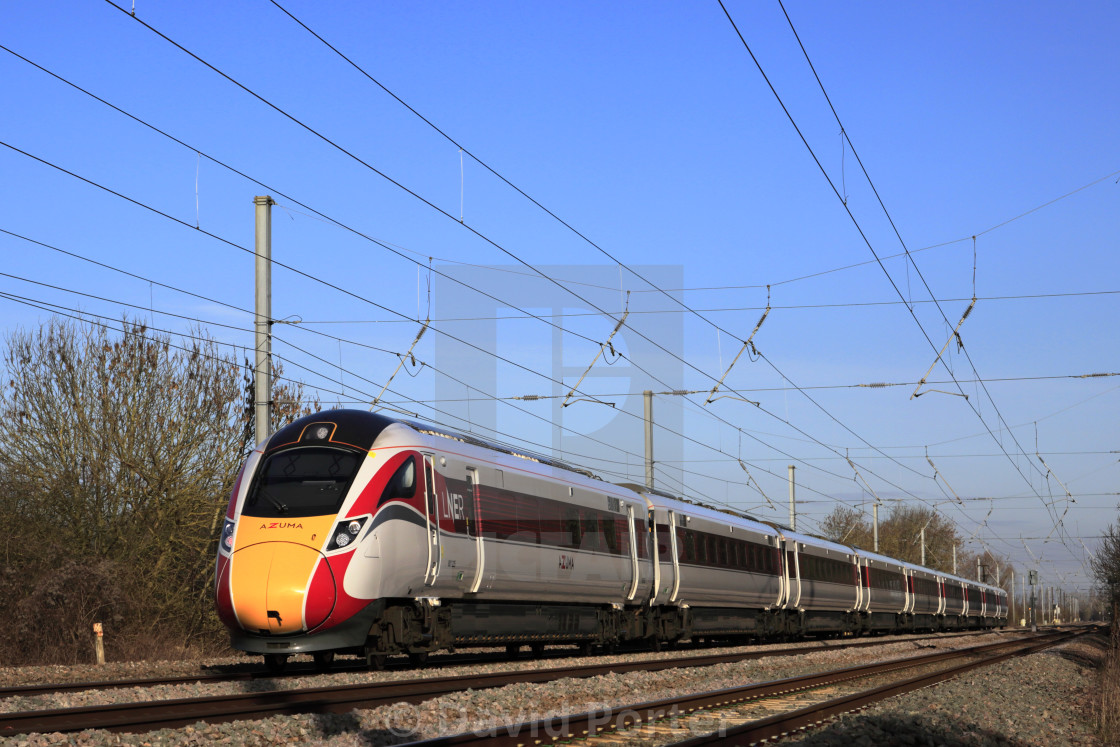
288,580
271,571
249,571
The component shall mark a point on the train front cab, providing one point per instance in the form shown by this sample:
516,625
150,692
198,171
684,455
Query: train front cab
300,564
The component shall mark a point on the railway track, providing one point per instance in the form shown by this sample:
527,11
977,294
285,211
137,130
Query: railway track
440,662
146,716
756,713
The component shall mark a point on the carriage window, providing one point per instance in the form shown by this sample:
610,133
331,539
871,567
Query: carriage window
403,482
528,520
572,533
610,534
591,530
663,545
552,524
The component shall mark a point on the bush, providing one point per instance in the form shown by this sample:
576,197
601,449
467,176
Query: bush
1108,710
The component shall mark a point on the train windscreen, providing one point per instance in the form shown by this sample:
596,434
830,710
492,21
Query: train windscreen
302,482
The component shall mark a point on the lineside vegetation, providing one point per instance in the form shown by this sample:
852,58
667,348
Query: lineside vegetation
121,448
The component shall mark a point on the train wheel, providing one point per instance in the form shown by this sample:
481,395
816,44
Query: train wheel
375,661
275,662
324,660
512,650
537,649
417,658
583,648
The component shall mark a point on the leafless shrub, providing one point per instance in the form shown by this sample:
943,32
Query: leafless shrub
1108,709
120,451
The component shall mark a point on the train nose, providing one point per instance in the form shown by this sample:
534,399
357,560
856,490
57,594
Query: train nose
280,588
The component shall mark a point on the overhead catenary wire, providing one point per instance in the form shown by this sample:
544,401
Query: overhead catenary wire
79,316
89,318
1014,463
867,241
279,339
679,435
100,100
596,246
486,239
912,261
333,286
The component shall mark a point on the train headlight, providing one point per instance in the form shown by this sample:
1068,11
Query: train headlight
226,543
346,532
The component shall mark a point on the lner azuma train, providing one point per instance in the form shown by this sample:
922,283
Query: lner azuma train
354,533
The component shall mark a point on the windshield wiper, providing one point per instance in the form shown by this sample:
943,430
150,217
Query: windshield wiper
281,507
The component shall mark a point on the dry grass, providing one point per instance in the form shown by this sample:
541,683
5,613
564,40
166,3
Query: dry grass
1108,709
49,611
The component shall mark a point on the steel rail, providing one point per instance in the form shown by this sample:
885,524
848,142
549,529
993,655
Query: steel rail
451,660
614,720
134,717
815,715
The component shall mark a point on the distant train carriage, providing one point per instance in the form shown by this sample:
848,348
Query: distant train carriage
824,584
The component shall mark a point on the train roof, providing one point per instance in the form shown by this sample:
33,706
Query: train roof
692,505
661,499
814,541
470,438
360,429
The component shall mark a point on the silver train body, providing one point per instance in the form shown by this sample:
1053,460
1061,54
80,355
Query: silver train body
355,533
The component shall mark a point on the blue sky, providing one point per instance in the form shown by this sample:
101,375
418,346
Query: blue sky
649,130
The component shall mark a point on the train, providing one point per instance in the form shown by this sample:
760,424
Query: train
353,533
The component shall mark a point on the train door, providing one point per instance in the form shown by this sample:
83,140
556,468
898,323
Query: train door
474,526
783,574
794,576
435,550
908,585
634,539
865,580
859,587
675,554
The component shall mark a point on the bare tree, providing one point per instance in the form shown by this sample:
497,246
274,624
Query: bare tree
848,526
900,534
1105,563
120,453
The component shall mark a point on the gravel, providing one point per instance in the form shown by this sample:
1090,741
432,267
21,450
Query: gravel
1045,699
